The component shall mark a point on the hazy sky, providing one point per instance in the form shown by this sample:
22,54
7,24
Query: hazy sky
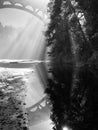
31,35
14,17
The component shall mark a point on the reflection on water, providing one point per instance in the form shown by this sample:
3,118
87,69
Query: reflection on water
47,125
12,100
20,88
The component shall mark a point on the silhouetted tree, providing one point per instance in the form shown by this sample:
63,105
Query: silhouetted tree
72,87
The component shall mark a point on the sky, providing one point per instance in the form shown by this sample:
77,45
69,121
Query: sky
14,17
31,38
32,33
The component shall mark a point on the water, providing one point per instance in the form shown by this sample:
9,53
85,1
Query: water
21,77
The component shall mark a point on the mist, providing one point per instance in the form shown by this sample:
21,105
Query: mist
23,43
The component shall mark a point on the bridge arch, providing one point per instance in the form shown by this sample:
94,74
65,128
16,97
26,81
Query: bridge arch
25,5
36,111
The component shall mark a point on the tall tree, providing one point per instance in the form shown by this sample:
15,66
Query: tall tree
72,88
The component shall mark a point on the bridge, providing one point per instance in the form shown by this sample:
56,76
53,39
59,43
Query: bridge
30,6
40,111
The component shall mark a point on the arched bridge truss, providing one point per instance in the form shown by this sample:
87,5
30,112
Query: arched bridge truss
25,5
39,112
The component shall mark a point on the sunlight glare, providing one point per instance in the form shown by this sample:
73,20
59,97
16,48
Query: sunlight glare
65,128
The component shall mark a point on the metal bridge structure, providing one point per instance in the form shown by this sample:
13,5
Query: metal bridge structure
30,6
40,111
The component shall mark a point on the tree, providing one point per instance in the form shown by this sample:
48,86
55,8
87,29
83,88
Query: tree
91,14
72,88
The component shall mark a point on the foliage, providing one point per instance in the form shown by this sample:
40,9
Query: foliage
72,88
91,15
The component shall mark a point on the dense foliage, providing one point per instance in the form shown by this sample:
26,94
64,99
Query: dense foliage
73,79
